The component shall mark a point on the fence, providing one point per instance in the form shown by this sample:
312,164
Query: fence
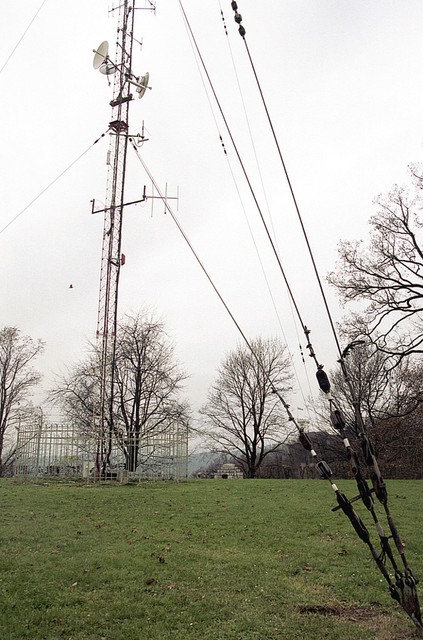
60,450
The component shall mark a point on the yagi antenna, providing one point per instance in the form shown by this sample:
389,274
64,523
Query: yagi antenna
102,61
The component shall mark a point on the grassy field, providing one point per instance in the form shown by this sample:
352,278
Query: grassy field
201,560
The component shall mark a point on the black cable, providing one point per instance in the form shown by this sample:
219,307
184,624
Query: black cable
294,199
22,36
397,591
209,278
405,589
244,170
51,184
190,245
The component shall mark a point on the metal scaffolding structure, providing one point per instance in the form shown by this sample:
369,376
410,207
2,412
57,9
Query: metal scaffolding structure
53,449
165,455
47,450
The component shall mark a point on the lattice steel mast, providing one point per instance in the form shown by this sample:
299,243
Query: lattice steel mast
111,259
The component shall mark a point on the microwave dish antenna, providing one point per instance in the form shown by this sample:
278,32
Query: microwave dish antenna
107,68
141,83
101,55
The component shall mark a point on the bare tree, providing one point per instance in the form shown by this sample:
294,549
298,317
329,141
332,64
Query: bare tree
389,401
399,445
17,378
387,274
244,418
148,383
368,385
380,391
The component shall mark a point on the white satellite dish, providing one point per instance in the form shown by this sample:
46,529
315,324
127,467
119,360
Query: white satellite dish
107,68
142,84
100,54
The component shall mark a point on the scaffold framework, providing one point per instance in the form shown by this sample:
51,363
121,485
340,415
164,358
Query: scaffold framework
47,450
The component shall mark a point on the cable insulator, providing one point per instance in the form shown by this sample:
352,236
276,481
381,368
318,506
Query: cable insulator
379,486
365,492
354,462
397,538
234,6
410,579
323,380
241,31
356,521
368,450
224,23
324,469
223,145
337,419
305,441
394,593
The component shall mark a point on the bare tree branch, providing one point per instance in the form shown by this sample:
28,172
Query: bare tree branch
386,275
148,384
17,377
243,417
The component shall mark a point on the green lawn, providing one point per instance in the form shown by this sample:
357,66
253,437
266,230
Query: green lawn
200,560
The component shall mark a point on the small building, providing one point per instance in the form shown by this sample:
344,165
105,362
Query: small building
228,471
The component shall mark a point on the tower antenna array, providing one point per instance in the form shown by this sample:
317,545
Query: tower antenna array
111,259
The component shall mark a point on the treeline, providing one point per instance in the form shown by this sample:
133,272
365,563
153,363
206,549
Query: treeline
398,443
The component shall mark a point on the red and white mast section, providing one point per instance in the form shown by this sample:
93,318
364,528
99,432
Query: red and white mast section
125,83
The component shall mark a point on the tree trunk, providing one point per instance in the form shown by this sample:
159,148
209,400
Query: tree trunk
133,450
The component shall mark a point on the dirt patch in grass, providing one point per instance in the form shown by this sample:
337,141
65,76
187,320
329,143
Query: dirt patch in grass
384,626
354,613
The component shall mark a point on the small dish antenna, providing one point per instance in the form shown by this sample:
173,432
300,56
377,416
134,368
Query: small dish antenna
102,61
101,55
143,84
140,82
107,68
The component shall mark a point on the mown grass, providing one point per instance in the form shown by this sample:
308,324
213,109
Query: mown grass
203,560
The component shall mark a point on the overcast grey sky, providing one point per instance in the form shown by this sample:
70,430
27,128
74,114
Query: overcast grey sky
343,86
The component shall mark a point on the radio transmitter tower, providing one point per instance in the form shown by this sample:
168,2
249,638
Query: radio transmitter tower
124,82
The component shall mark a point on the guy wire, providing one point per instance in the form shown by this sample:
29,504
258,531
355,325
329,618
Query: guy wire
404,591
187,240
250,133
51,183
297,209
239,193
22,36
209,278
269,236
